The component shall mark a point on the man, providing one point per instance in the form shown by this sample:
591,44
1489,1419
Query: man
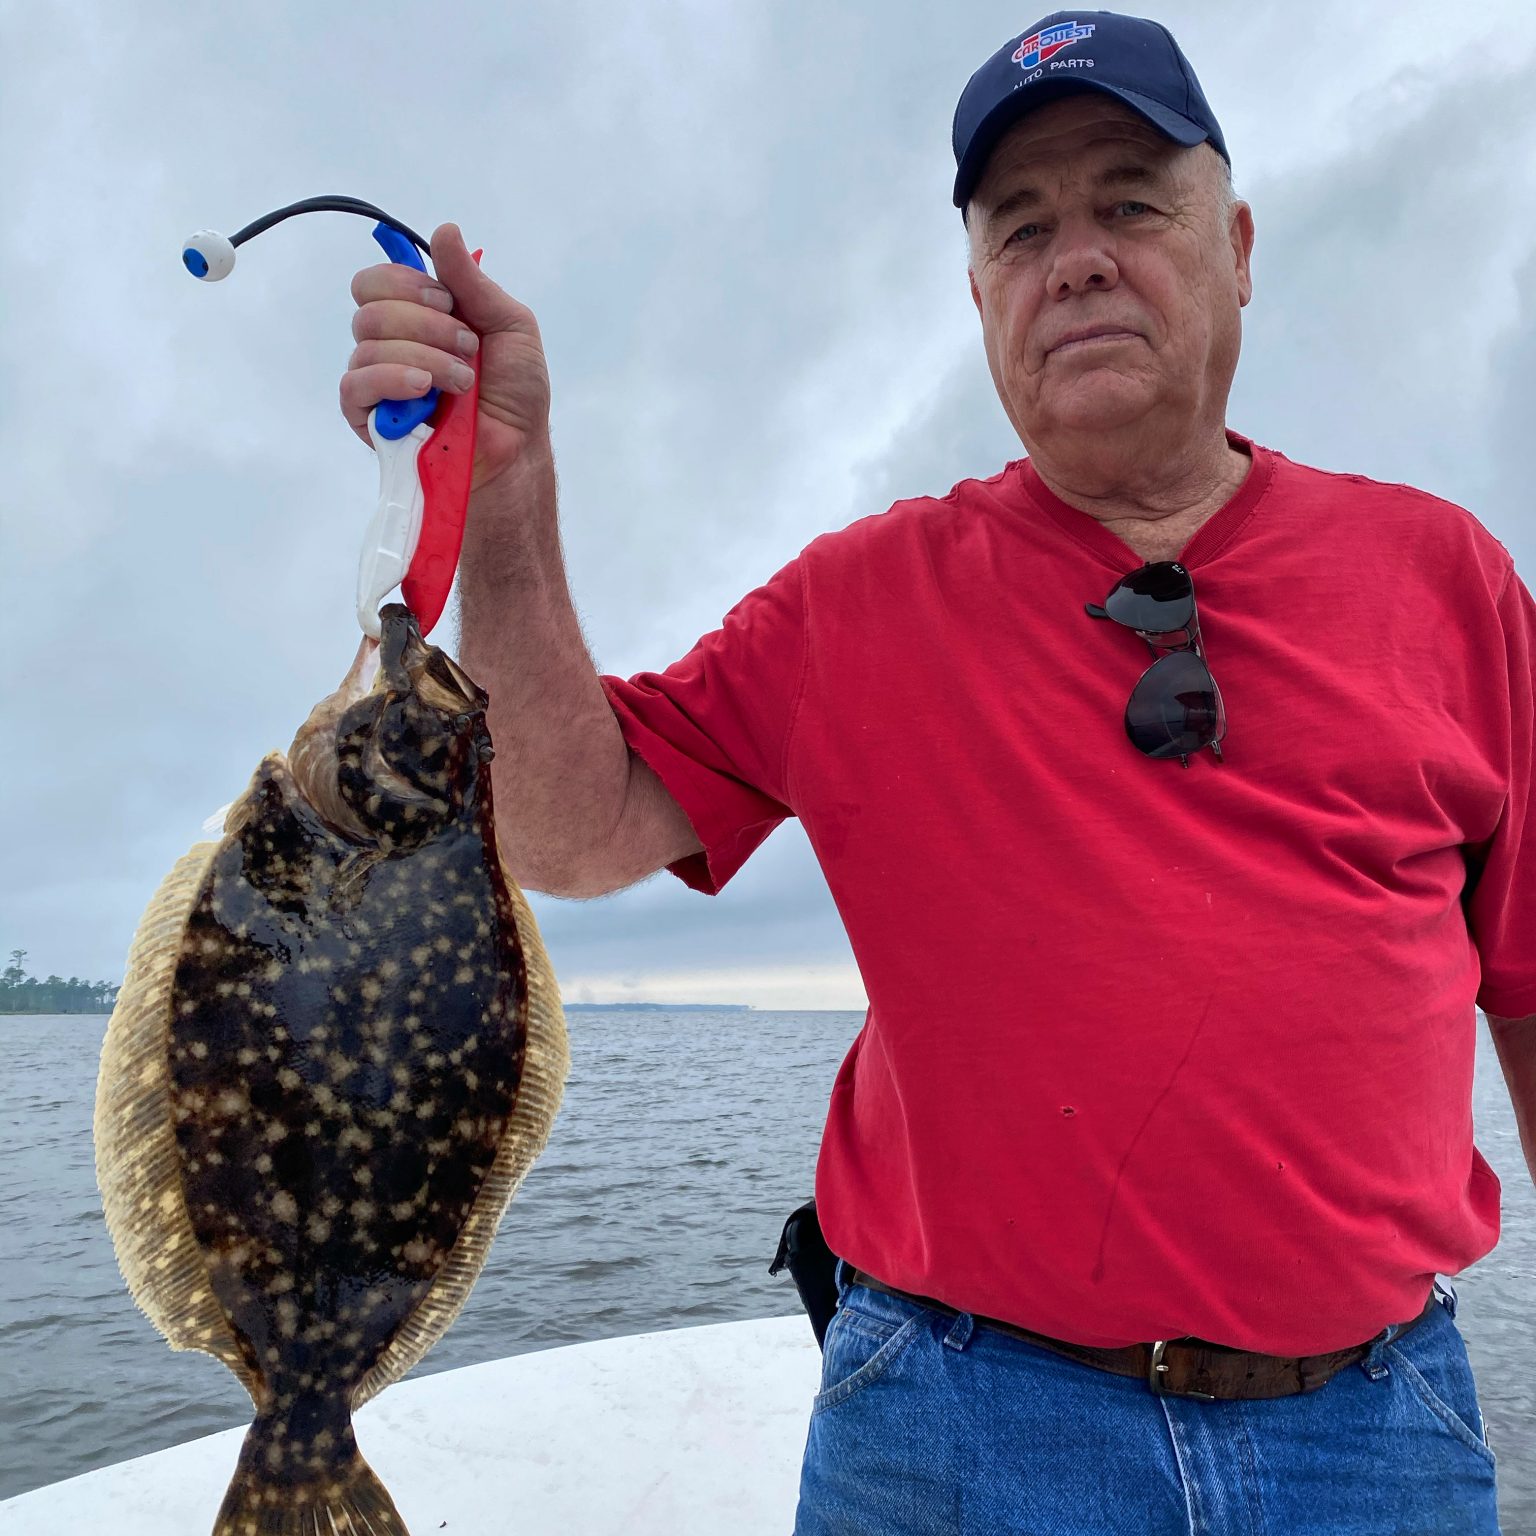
1159,1128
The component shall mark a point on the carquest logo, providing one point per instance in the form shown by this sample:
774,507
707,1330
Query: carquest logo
1041,45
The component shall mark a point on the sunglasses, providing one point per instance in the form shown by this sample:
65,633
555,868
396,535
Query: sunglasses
1176,708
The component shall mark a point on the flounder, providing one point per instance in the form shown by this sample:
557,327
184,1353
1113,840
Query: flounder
338,1050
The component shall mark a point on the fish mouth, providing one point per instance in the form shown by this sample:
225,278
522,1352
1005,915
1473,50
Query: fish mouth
383,742
407,664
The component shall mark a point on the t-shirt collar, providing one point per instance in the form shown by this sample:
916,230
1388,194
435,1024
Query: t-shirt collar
1213,535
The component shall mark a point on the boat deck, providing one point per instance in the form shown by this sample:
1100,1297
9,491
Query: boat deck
698,1430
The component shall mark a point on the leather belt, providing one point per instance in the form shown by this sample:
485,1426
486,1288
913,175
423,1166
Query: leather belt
1180,1367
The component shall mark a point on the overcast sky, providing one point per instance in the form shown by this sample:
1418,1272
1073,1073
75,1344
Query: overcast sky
733,221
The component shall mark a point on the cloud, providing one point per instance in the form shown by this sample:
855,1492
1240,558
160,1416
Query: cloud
733,223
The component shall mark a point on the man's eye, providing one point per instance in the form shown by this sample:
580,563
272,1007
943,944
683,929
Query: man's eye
1134,208
1025,232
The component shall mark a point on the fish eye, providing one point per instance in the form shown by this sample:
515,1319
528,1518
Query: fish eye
208,255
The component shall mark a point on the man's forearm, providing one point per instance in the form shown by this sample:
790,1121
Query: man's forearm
561,768
1515,1041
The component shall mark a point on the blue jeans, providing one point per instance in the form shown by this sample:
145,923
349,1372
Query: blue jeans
927,1424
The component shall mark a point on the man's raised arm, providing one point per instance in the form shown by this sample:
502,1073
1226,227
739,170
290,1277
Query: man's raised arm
579,814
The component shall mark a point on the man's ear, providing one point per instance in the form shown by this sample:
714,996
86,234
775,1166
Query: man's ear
1242,249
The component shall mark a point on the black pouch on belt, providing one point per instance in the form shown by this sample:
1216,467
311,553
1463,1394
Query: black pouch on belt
812,1266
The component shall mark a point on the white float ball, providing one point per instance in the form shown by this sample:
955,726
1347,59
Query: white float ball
208,255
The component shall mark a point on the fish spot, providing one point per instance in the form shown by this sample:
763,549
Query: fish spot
199,1050
362,1210
317,1229
263,1163
284,1206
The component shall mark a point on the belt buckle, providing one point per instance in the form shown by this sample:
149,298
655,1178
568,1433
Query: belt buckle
1158,1369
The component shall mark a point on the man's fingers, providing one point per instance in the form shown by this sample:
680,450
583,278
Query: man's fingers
446,371
394,280
382,370
400,320
477,298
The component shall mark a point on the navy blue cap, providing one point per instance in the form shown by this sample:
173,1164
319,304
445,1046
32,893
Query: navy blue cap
1134,60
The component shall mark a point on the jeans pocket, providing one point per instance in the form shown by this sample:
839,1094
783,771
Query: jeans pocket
858,1350
1452,1396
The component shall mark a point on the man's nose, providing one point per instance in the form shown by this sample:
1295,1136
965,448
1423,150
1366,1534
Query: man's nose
1082,259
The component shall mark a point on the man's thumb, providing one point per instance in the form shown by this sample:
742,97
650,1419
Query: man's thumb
476,298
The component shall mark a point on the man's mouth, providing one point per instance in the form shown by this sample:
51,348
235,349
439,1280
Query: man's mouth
1095,336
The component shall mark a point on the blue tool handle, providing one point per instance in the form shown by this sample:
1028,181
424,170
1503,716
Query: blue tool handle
397,418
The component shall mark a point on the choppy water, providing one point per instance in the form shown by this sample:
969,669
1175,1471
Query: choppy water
684,1141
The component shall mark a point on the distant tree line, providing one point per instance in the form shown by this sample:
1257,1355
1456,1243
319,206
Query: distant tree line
21,993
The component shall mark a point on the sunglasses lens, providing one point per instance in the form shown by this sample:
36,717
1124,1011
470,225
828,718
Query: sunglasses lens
1159,599
1176,708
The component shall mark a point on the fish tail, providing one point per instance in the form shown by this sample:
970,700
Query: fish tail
277,1491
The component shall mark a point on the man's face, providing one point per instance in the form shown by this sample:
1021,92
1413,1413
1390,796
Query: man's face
1088,219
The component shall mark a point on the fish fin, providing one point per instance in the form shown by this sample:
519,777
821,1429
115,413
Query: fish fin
138,1168
546,1061
265,1498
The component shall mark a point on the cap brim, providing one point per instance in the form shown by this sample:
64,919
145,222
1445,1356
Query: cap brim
1006,113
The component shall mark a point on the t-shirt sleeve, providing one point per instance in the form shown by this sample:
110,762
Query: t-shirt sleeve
715,726
1501,905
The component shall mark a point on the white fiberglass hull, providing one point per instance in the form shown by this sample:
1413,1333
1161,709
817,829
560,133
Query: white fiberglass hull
698,1430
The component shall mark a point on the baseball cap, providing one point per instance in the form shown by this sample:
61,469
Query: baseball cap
1126,57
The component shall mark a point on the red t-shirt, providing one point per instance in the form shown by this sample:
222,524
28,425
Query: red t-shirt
1151,1051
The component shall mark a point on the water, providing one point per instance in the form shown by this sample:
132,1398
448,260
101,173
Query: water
684,1141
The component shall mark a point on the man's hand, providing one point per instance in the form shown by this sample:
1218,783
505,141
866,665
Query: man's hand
408,340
